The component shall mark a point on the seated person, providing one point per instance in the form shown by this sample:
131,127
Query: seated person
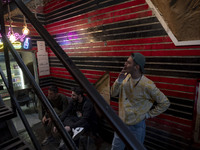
59,102
80,115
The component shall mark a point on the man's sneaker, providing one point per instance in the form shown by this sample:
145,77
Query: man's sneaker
77,132
47,140
61,145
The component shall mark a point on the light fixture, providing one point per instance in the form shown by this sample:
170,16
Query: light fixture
25,30
12,37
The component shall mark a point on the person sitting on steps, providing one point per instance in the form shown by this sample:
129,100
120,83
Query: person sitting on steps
80,115
59,102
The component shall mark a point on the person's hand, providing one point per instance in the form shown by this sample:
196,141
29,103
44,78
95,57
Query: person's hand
68,128
122,75
44,119
55,130
49,121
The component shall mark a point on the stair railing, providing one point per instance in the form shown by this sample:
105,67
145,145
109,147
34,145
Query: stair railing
7,59
124,133
111,116
7,45
20,112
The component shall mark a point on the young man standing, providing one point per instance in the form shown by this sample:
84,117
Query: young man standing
59,102
136,94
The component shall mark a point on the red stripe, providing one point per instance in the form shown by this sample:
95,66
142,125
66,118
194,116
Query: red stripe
66,26
73,19
100,11
170,130
176,119
71,78
114,108
107,21
56,5
176,87
132,47
171,124
116,104
122,42
117,7
140,41
182,81
147,50
84,45
45,76
145,53
126,11
68,92
179,94
100,73
158,79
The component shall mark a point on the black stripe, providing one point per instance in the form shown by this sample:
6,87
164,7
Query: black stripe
175,69
84,8
165,142
179,114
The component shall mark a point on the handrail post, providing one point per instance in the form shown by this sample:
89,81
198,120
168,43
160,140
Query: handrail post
7,59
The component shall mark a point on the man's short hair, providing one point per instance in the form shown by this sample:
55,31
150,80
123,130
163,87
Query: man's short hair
78,90
53,89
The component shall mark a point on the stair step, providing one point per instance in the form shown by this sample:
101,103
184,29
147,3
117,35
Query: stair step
14,144
6,113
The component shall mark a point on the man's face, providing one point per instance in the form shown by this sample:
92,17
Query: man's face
130,66
52,95
74,96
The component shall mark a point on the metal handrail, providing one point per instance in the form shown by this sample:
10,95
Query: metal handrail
68,140
129,139
20,112
7,59
40,94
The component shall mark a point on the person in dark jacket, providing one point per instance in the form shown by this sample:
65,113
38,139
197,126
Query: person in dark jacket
59,102
80,115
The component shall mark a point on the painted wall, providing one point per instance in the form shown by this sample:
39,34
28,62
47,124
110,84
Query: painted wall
99,36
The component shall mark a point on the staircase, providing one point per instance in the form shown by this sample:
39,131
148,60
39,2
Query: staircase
9,139
6,113
14,143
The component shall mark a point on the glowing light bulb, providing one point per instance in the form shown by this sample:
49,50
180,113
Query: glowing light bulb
12,38
25,30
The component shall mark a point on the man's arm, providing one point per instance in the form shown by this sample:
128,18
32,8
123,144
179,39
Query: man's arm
162,102
117,84
115,88
66,111
87,113
66,102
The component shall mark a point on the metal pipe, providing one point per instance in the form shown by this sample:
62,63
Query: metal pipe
7,59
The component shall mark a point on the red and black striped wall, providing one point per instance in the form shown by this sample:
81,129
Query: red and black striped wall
99,35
